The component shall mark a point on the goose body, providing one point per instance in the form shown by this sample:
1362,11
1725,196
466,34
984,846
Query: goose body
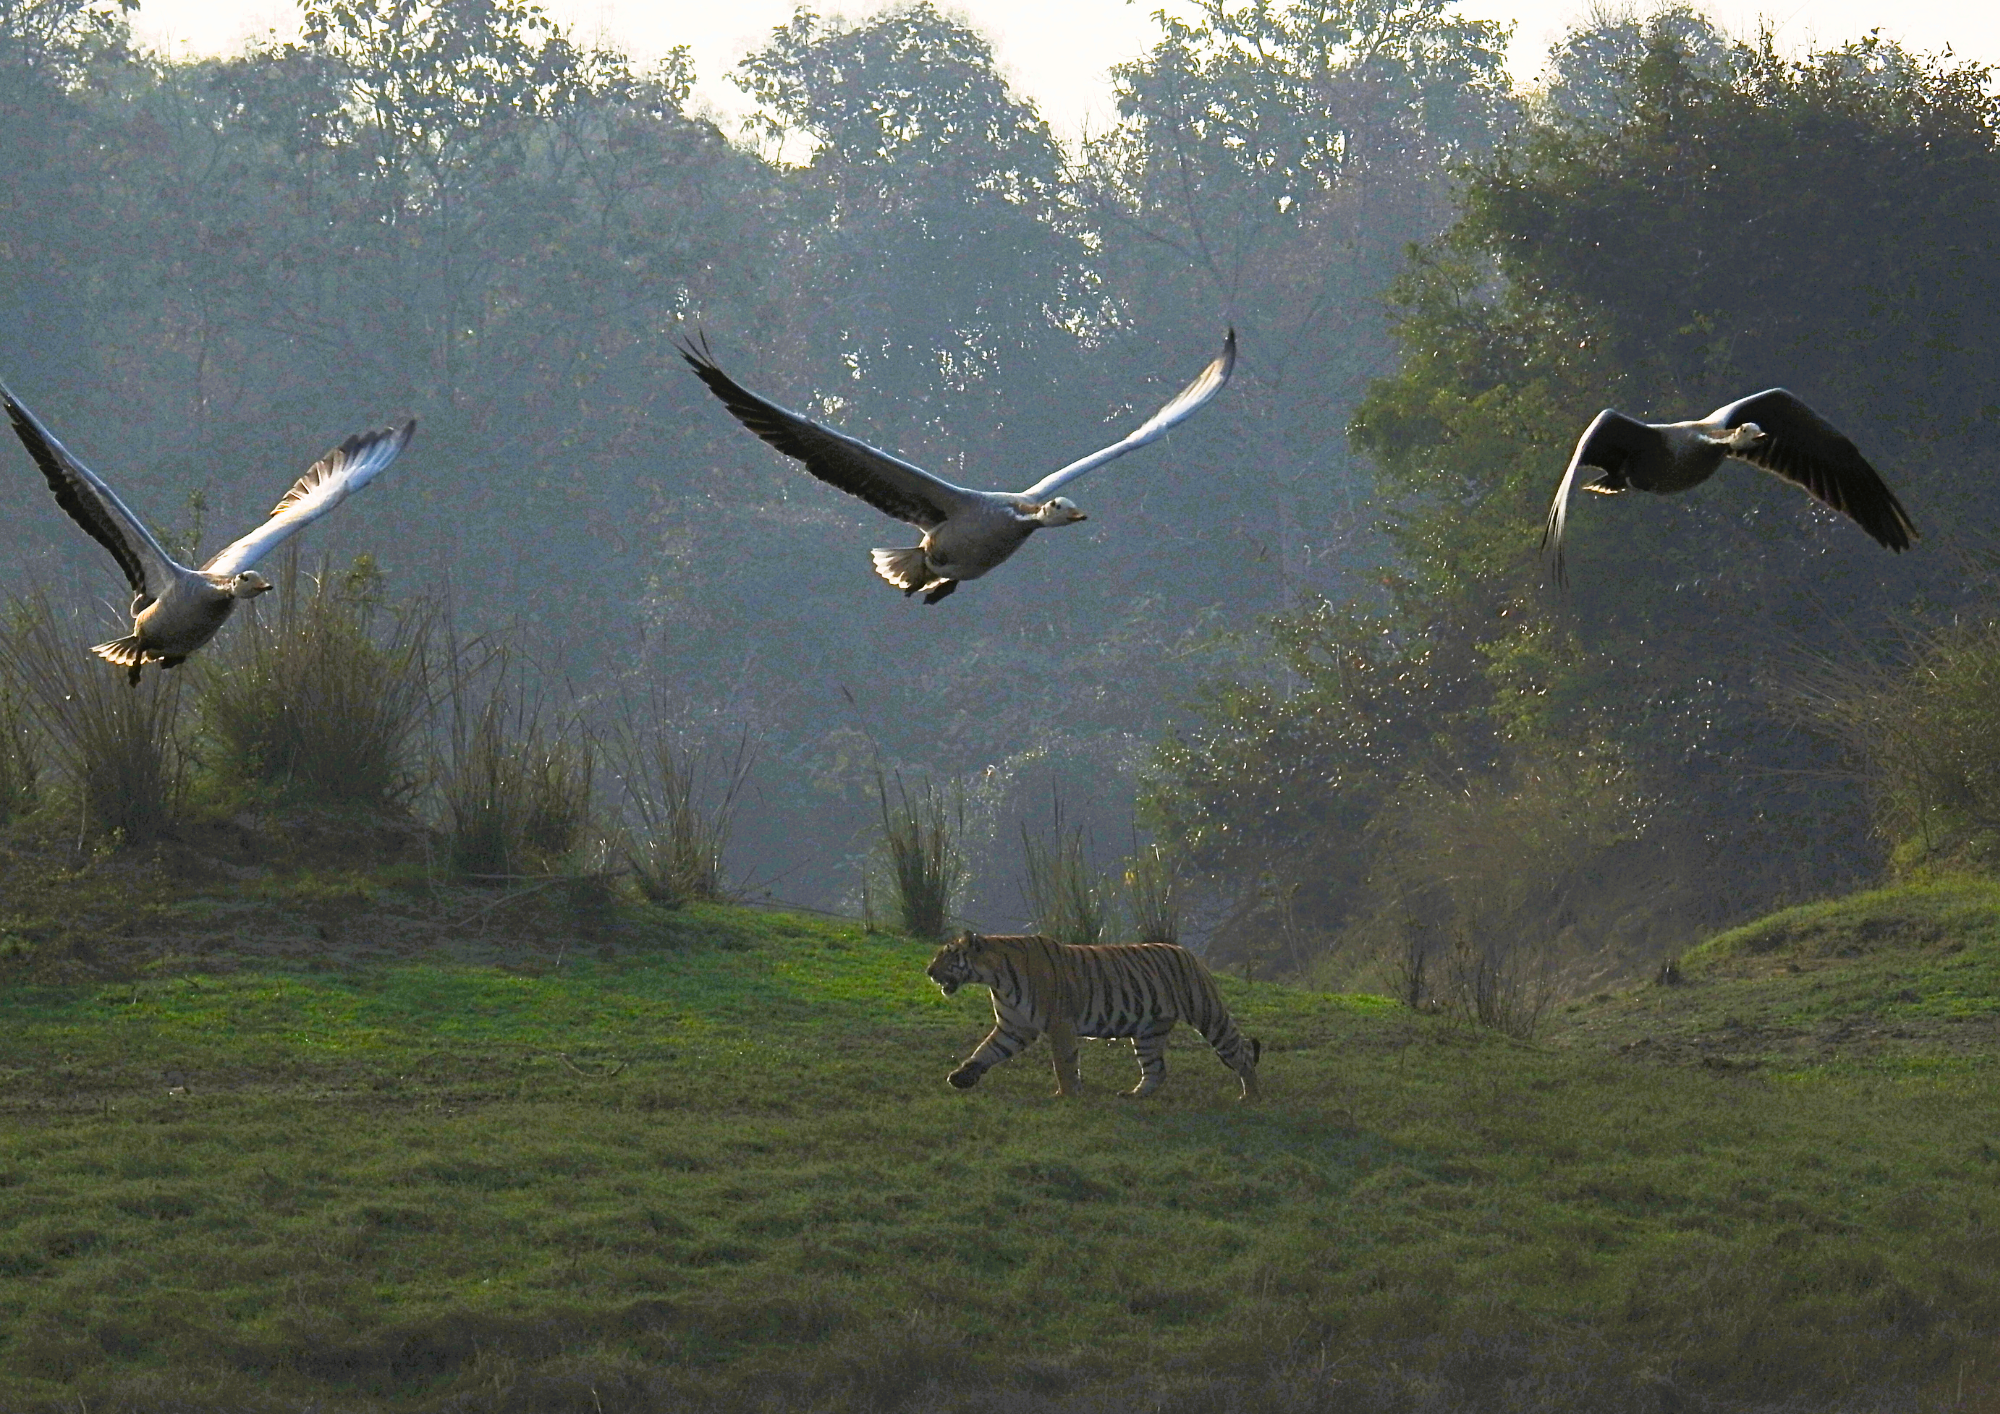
1772,430
176,609
966,532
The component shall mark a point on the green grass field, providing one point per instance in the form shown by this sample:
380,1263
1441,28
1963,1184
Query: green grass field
334,1143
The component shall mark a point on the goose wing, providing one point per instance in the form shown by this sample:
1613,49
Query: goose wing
93,505
1807,450
1185,404
1611,443
327,482
889,484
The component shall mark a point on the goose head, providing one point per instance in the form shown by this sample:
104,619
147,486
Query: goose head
1059,511
1744,437
248,585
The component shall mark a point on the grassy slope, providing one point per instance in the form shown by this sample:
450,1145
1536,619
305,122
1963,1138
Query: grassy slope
319,1143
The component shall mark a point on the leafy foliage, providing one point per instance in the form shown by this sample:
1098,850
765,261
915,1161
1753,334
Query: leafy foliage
1679,222
308,695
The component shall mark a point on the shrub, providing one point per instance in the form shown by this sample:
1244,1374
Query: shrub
1924,735
1065,897
673,830
117,747
20,760
317,697
1152,895
516,785
920,847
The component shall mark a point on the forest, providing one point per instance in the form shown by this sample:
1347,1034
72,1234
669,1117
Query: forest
1305,651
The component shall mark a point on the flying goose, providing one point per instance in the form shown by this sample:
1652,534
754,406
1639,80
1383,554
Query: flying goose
176,609
966,533
1772,430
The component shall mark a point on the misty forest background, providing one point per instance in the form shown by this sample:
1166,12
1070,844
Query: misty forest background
1305,645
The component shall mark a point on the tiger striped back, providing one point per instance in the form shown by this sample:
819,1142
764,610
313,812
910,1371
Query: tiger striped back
1136,990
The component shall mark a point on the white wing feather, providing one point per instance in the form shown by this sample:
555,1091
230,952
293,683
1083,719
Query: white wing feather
1186,403
328,482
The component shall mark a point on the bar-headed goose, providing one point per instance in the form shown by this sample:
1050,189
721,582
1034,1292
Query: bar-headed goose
966,533
176,609
1772,430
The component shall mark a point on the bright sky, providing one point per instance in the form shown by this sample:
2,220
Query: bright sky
1059,52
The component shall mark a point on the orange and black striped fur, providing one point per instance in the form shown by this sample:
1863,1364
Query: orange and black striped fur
1133,989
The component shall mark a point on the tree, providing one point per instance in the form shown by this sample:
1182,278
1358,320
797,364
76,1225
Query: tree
1273,163
1737,221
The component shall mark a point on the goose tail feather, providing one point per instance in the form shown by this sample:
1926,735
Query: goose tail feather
906,569
126,652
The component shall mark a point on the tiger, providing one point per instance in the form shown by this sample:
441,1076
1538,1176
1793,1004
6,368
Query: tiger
1130,989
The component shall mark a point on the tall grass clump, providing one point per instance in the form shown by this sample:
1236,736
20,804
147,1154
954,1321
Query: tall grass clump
20,759
921,853
1152,895
677,808
1498,982
322,695
1924,736
1065,897
117,748
515,782
1491,891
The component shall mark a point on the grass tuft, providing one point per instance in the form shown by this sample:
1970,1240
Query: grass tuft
1152,895
674,827
921,851
1065,897
20,759
118,748
314,697
515,783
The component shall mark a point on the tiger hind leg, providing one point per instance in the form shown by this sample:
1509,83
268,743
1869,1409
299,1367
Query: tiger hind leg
1151,1049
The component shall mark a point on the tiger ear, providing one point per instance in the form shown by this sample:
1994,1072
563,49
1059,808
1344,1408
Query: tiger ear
968,940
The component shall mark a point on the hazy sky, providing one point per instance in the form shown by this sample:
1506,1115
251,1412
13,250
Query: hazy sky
1058,52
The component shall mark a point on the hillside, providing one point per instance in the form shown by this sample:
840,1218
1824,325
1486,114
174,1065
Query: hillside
358,1141
1895,980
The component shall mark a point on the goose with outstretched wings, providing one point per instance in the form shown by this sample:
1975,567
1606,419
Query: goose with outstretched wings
1772,430
966,533
175,609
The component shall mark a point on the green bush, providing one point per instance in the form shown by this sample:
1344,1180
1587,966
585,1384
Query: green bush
118,748
921,854
1925,736
1065,896
673,829
515,784
322,695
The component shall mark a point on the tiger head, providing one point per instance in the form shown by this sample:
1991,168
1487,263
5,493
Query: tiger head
957,963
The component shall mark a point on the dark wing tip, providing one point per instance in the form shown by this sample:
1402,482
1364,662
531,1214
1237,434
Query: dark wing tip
400,433
695,349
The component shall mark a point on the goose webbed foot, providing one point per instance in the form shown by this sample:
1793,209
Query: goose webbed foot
943,590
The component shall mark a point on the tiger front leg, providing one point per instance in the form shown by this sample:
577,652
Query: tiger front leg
1001,1044
1062,1051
